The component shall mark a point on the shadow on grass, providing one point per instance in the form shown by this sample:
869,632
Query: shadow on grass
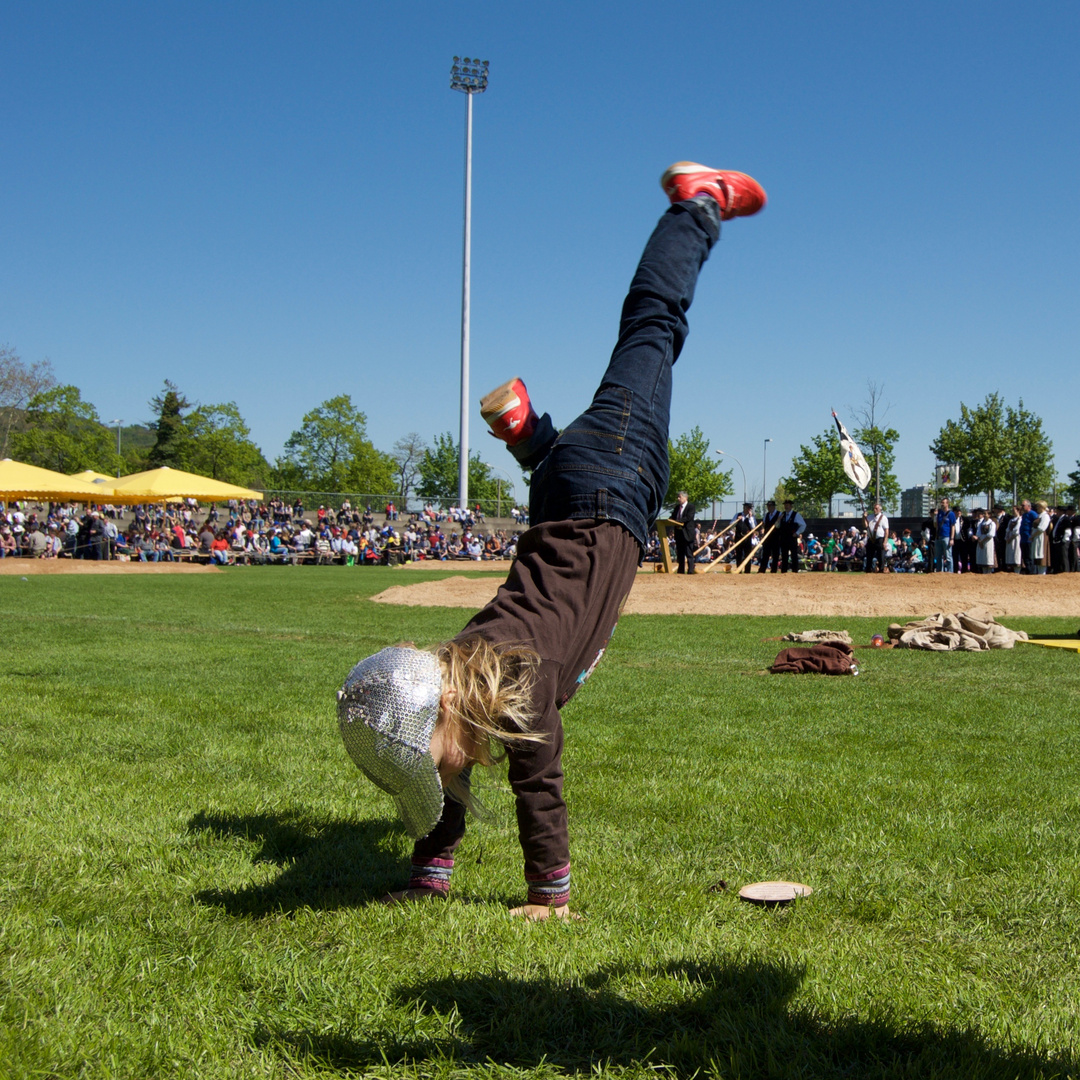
733,1020
326,864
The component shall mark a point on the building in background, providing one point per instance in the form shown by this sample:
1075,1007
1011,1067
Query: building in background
916,502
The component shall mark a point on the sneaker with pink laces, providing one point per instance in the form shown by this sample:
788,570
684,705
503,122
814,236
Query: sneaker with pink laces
739,195
508,412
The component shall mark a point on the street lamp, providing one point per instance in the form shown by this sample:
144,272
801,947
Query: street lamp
741,469
469,77
117,423
764,475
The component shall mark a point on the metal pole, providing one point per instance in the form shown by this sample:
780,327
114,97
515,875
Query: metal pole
764,475
470,77
118,423
463,443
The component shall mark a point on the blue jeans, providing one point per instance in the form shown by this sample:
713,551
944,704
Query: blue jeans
943,555
612,461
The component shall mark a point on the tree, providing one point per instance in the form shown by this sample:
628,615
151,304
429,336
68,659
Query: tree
63,433
817,474
439,473
695,471
172,444
408,452
1072,492
19,382
221,446
877,443
331,452
998,448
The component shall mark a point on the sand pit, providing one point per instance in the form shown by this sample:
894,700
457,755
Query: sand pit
893,595
31,567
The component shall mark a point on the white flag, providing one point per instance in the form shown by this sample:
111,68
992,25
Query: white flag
854,463
948,476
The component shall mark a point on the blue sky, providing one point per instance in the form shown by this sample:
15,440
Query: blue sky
263,203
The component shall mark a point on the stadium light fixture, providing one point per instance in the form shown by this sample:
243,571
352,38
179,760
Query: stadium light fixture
469,77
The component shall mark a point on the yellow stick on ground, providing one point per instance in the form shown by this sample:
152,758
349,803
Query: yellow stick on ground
723,554
712,538
739,568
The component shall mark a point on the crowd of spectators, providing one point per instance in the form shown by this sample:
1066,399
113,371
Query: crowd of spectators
252,533
1023,539
1028,538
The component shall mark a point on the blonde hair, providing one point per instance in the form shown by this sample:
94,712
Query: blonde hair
492,706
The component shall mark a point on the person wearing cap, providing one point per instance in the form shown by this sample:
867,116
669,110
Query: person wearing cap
415,722
770,548
743,533
792,526
34,542
54,544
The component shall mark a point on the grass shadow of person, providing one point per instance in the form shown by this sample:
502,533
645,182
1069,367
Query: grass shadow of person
732,1019
326,863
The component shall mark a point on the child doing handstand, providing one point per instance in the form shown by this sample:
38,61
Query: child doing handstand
416,721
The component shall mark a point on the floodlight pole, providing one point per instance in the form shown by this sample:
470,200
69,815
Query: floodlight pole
469,77
117,423
764,475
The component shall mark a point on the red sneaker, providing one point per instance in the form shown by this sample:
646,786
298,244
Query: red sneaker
509,413
739,195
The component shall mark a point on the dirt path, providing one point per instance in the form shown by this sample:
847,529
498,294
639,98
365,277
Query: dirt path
895,595
29,567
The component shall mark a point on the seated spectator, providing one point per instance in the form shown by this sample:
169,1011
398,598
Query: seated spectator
145,549
324,555
33,542
256,548
162,547
8,546
54,545
219,549
276,548
123,546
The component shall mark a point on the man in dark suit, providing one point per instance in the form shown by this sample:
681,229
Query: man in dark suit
743,533
770,549
685,533
1060,538
791,527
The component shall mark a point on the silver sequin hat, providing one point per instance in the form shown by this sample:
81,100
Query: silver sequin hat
387,711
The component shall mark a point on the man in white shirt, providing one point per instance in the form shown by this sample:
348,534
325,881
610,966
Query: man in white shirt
877,529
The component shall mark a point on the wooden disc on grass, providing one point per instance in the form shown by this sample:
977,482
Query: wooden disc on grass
773,892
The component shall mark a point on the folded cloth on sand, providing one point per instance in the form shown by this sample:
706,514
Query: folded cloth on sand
818,636
834,659
974,630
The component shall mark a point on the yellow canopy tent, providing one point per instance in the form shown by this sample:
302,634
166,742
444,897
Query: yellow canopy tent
21,481
92,477
157,485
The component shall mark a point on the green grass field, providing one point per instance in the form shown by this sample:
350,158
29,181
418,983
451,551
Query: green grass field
188,853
